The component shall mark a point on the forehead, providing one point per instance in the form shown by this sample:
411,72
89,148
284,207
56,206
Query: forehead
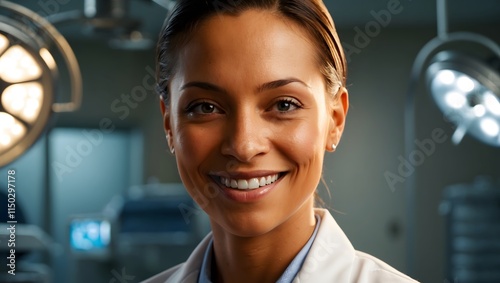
254,46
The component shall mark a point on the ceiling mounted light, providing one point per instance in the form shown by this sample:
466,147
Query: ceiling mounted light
29,78
468,90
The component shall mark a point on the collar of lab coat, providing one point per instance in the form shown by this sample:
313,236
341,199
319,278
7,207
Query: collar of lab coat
331,258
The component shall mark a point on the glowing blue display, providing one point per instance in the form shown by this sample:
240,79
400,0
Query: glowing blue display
89,234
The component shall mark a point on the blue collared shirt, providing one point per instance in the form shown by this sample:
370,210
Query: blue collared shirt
287,276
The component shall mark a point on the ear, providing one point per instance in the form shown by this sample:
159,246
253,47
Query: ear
338,113
165,113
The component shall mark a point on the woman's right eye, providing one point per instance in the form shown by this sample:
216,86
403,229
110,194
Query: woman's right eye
203,108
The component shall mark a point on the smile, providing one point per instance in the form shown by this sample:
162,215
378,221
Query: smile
249,184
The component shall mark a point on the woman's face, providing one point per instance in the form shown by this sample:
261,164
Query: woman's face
250,120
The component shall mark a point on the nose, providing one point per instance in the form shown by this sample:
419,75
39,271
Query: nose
246,136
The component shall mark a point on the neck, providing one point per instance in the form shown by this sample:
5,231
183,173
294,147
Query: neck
261,258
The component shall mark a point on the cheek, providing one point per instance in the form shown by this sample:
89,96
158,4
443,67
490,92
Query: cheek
304,141
304,146
195,144
193,147
306,137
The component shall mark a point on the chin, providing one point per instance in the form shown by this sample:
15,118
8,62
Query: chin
247,223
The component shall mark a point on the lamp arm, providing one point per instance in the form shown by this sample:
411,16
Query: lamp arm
442,18
65,50
409,120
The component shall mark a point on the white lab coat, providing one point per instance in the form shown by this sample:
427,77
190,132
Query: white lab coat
331,258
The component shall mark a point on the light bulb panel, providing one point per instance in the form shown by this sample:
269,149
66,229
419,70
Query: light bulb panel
467,91
26,93
29,45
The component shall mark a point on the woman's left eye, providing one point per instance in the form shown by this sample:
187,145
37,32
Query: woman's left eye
287,105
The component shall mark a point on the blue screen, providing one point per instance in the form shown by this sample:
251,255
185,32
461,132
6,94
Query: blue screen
89,234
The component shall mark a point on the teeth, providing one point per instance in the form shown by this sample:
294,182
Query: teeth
234,184
242,184
254,183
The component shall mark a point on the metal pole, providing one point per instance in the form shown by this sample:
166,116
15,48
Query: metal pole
47,197
442,18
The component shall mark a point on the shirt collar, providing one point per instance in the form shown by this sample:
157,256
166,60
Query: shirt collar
287,276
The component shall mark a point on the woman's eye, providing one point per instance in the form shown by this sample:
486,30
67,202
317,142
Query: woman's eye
203,108
287,105
207,108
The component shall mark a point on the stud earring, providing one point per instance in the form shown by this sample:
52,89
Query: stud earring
172,149
334,147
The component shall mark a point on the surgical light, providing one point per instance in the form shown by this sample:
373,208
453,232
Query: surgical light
468,90
30,78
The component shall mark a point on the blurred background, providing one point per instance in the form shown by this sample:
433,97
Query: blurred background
101,199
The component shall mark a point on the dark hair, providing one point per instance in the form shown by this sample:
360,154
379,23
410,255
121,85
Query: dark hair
310,14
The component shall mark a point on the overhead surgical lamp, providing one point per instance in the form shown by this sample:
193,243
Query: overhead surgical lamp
465,88
35,59
32,55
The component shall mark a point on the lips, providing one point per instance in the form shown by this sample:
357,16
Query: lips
249,184
246,181
247,187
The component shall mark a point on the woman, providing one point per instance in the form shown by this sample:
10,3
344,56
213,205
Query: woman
253,94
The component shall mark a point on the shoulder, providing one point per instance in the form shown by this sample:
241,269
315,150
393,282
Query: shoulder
186,272
367,268
332,258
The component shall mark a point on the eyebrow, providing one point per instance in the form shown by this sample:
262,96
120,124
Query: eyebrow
265,86
203,85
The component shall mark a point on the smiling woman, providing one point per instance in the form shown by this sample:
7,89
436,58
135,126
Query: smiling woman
252,96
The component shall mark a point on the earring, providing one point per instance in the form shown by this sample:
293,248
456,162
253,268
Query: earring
172,149
334,147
